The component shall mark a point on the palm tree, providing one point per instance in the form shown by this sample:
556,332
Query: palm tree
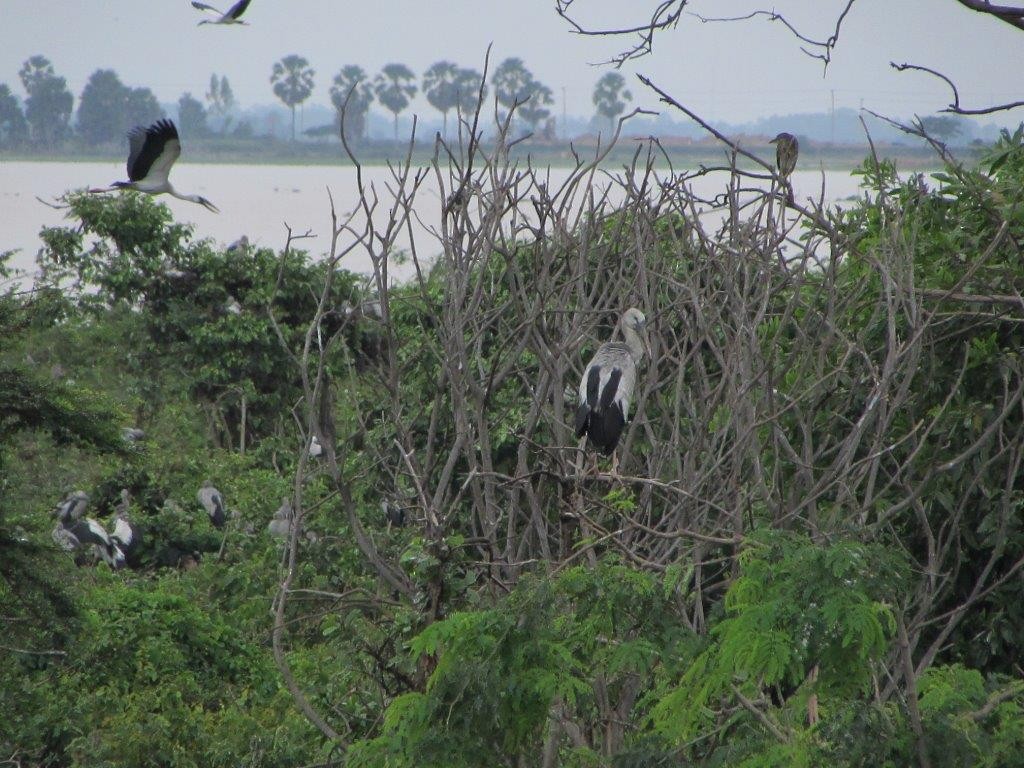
292,79
535,108
395,87
470,90
352,80
511,82
611,96
440,88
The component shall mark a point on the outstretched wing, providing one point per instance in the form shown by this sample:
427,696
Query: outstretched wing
238,9
204,7
152,151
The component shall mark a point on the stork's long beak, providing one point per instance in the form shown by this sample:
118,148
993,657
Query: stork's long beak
210,206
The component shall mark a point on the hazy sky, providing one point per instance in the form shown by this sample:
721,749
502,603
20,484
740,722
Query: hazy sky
733,72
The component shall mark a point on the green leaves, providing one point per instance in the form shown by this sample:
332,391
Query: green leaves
795,606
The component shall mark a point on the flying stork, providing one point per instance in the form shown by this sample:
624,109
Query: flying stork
233,16
152,152
213,503
607,384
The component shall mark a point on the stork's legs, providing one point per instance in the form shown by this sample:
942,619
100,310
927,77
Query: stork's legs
615,463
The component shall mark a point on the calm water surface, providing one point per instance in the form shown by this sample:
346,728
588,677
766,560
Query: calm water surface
259,200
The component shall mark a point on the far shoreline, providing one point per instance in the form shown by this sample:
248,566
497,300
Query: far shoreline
688,156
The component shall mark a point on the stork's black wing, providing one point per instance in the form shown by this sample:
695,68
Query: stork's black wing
145,145
238,8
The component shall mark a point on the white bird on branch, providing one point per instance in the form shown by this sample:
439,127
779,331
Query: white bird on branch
233,16
152,152
607,385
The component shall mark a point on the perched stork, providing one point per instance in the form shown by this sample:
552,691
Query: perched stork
72,508
315,449
88,533
122,506
281,524
126,536
607,384
233,16
152,152
241,245
393,514
213,503
132,434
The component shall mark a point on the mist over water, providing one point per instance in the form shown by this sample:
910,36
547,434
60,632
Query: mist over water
260,200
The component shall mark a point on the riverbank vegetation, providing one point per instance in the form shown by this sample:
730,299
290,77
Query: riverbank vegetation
811,551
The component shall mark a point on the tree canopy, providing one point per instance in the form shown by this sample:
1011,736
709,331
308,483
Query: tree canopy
292,79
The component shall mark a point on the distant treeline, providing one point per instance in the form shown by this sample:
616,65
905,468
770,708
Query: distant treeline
46,119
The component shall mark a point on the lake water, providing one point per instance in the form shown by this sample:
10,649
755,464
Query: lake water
259,200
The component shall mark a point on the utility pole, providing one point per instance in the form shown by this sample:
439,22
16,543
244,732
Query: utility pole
832,113
565,127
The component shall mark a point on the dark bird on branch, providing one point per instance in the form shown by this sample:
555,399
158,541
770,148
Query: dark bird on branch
787,149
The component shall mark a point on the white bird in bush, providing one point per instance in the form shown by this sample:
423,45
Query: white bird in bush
213,503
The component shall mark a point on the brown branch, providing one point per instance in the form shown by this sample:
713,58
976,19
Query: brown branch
1012,16
665,16
762,717
954,106
823,48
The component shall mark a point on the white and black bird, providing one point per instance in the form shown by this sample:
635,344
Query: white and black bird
241,245
393,514
126,535
281,525
607,384
72,508
316,450
213,503
152,152
87,533
233,15
132,434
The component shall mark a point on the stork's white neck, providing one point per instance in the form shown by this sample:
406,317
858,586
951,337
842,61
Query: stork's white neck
633,340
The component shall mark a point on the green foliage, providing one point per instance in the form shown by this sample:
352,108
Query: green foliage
178,295
498,672
793,607
151,680
68,413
